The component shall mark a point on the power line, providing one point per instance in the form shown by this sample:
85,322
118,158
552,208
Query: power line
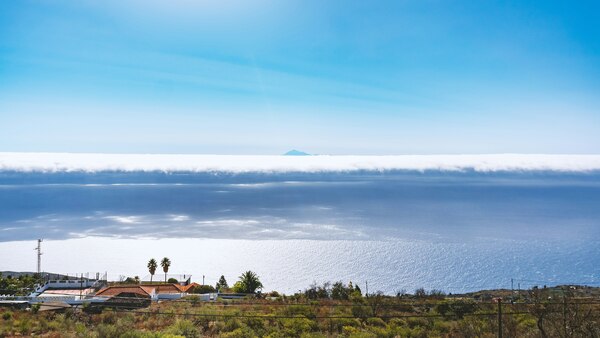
572,301
268,316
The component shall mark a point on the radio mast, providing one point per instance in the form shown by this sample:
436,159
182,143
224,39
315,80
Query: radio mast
39,256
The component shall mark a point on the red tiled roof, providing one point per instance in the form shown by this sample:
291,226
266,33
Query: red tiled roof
119,289
163,288
148,288
186,288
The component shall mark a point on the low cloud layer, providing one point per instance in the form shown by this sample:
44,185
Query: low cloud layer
65,162
101,224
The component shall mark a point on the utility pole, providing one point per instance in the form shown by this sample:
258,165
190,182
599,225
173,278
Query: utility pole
564,311
202,279
512,285
499,300
39,256
367,289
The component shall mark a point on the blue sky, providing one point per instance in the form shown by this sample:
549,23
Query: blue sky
328,77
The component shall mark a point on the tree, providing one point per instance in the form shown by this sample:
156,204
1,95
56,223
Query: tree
132,280
339,291
238,287
202,289
165,263
420,293
152,265
249,282
318,291
222,283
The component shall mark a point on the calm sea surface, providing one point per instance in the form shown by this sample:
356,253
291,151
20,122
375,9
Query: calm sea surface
396,230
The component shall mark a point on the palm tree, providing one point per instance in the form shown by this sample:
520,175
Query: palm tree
250,282
152,265
165,263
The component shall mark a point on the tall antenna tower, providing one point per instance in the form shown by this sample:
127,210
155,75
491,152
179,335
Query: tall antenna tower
39,256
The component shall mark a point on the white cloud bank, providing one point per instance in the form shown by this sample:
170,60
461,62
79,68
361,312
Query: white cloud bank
66,162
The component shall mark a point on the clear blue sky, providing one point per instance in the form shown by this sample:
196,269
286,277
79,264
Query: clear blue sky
335,77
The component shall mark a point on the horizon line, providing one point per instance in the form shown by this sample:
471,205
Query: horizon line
99,162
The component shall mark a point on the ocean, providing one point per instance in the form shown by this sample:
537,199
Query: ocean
397,229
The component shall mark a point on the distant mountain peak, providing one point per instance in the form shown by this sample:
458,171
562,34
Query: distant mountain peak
295,152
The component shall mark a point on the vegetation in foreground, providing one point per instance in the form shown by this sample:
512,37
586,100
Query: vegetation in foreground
328,310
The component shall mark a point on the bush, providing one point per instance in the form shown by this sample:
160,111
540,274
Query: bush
339,323
240,333
203,289
232,325
7,315
340,292
106,331
363,312
397,322
439,294
318,292
299,310
24,326
184,328
35,308
376,322
420,293
458,308
312,335
415,322
172,281
90,308
109,317
238,287
353,332
296,326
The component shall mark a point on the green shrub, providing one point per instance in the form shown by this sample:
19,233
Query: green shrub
458,308
354,332
240,333
339,323
348,330
416,332
80,328
376,322
362,312
184,327
297,326
442,327
107,331
7,315
380,331
256,324
109,317
398,322
91,308
232,325
203,289
35,308
414,322
194,300
313,335
298,310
